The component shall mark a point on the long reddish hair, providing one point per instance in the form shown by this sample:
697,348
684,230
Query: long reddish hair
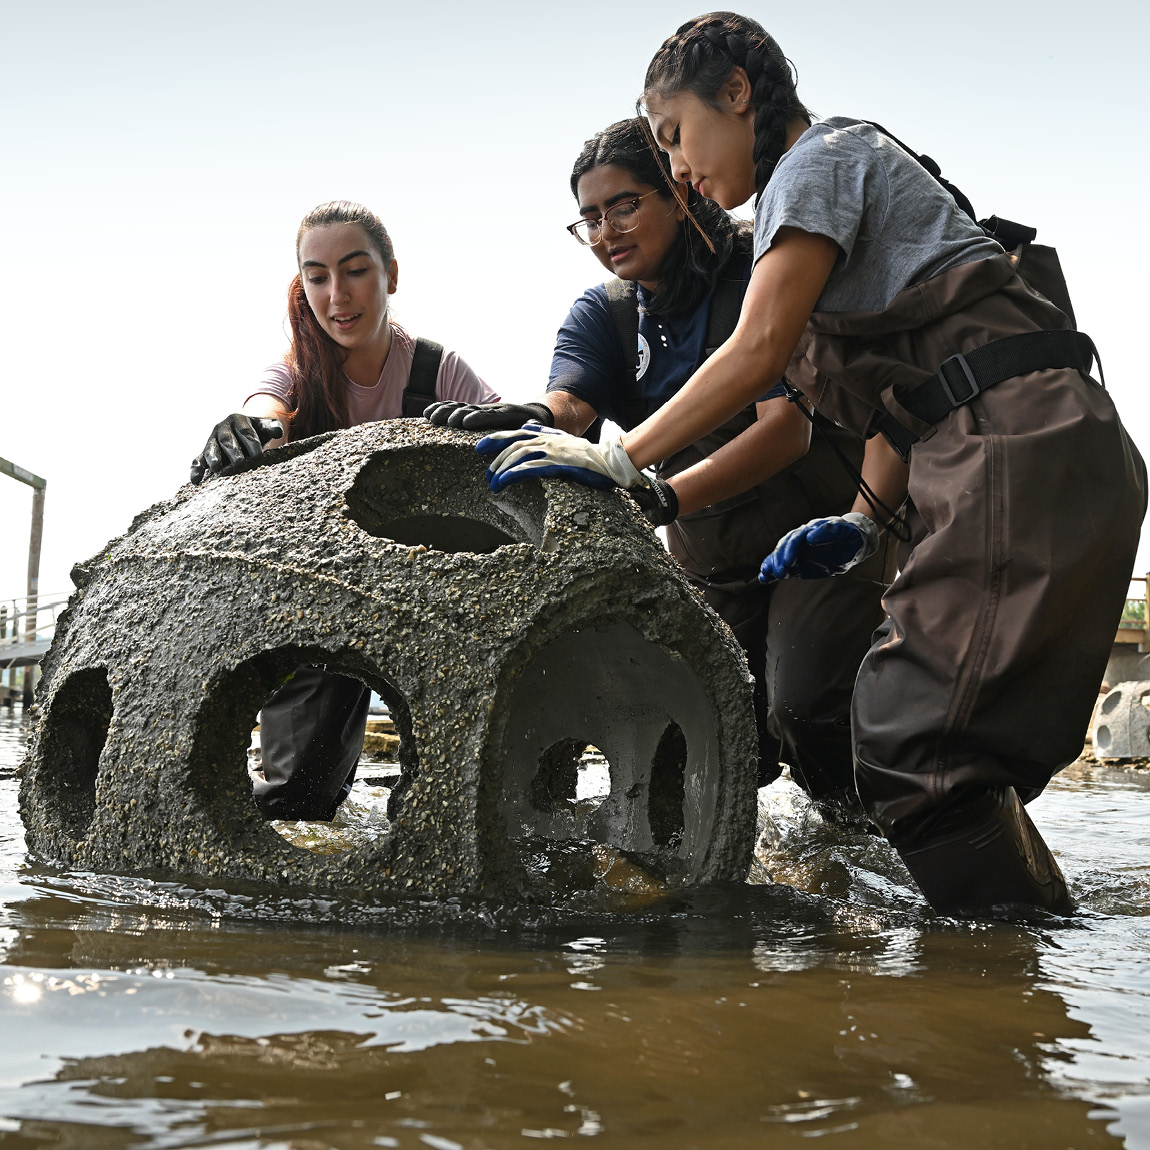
319,388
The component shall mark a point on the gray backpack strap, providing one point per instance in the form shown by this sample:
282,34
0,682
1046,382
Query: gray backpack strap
622,295
420,391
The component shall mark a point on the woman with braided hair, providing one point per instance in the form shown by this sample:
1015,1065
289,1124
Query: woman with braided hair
896,316
732,494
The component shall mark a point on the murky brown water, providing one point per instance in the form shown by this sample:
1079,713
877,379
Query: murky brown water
827,1004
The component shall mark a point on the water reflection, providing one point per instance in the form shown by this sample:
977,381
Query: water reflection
151,1012
641,1046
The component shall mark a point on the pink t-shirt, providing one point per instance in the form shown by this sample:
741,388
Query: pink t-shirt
385,400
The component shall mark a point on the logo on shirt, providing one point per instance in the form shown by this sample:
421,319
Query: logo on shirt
643,359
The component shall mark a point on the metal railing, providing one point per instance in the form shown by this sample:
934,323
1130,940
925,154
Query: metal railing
26,627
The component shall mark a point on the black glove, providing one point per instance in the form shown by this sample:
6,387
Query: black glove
232,439
659,503
487,416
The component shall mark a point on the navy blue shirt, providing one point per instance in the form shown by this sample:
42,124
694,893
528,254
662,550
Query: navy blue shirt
588,361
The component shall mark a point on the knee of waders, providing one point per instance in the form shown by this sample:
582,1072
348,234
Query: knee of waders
982,854
769,766
819,754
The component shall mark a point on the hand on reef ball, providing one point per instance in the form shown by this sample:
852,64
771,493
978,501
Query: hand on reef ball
538,452
487,416
658,502
232,439
821,548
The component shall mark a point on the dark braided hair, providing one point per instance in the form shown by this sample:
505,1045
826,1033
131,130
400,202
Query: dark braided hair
700,57
690,268
319,388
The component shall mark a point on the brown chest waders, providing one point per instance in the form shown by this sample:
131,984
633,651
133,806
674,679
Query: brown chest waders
1025,501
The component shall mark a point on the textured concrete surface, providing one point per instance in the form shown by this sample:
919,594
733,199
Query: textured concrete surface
1122,722
505,633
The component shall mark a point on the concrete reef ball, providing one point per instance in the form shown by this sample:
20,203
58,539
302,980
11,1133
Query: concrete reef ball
505,633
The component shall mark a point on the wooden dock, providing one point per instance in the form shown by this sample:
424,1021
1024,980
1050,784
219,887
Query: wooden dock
1133,629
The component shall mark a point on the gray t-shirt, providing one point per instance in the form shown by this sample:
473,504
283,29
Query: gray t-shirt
896,225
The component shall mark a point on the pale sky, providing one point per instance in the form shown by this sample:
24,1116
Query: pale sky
157,158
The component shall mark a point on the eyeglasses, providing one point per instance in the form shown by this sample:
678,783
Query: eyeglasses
623,217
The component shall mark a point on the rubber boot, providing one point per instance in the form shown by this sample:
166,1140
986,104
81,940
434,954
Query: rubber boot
988,854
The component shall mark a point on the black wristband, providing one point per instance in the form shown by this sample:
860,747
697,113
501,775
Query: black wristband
658,502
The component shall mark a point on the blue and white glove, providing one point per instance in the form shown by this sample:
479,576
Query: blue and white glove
821,548
537,452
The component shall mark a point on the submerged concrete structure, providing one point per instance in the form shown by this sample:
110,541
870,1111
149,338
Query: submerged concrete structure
1122,722
506,633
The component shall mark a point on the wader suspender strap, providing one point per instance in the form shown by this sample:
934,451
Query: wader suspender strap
933,168
623,297
420,391
1008,233
726,303
961,377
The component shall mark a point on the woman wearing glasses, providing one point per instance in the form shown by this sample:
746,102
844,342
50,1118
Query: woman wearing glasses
349,363
628,346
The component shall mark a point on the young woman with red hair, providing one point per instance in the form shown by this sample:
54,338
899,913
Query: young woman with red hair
349,363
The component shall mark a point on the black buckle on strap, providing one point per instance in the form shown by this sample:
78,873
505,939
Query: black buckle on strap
956,370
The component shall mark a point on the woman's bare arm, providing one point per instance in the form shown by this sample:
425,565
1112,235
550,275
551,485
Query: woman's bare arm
784,287
886,475
571,413
781,435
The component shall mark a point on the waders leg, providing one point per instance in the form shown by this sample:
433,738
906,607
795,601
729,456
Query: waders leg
311,737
